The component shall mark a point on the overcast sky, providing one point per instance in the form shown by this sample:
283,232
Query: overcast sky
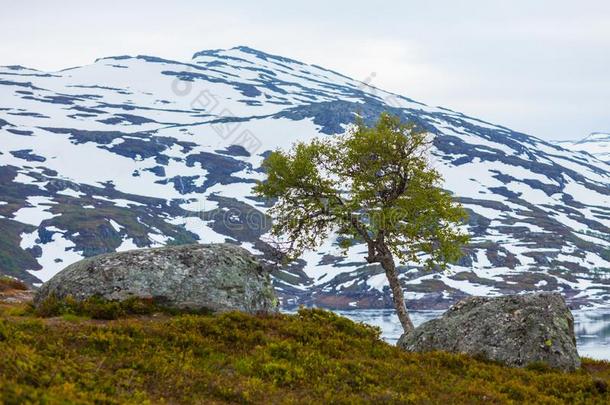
537,66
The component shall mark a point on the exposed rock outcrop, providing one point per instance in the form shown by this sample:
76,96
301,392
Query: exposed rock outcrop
218,277
516,330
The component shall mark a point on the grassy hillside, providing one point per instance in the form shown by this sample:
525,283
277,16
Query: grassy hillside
312,357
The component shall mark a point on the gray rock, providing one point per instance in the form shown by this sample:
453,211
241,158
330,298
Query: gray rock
218,277
515,330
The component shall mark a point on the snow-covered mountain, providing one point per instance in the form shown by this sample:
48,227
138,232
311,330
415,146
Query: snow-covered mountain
141,151
597,144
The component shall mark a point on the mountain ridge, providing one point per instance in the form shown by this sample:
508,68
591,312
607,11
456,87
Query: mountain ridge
144,151
596,144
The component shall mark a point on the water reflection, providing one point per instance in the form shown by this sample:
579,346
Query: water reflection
592,327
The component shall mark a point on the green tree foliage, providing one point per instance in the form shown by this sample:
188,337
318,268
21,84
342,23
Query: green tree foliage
374,185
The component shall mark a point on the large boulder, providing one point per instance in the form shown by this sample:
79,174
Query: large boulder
217,277
515,330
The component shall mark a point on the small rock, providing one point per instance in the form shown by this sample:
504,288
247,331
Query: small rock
217,277
515,330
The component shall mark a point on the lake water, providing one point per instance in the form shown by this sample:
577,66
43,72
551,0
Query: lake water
592,327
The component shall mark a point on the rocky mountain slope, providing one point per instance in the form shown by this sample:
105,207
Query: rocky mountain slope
597,144
132,152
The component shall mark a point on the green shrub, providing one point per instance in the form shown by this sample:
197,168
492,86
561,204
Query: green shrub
94,307
312,357
102,309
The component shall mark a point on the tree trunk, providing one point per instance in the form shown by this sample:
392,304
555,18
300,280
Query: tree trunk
397,294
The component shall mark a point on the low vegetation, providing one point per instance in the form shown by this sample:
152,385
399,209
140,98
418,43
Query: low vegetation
8,284
314,356
98,308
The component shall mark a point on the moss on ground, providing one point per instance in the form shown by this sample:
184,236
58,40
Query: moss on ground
311,357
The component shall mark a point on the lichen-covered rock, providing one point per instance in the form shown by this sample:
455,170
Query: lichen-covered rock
218,277
515,330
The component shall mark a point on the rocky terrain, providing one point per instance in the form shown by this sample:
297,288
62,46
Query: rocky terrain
139,151
219,278
516,330
597,144
14,292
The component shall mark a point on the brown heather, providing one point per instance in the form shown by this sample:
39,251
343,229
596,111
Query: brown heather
8,284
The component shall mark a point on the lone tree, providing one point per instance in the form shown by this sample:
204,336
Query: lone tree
372,185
